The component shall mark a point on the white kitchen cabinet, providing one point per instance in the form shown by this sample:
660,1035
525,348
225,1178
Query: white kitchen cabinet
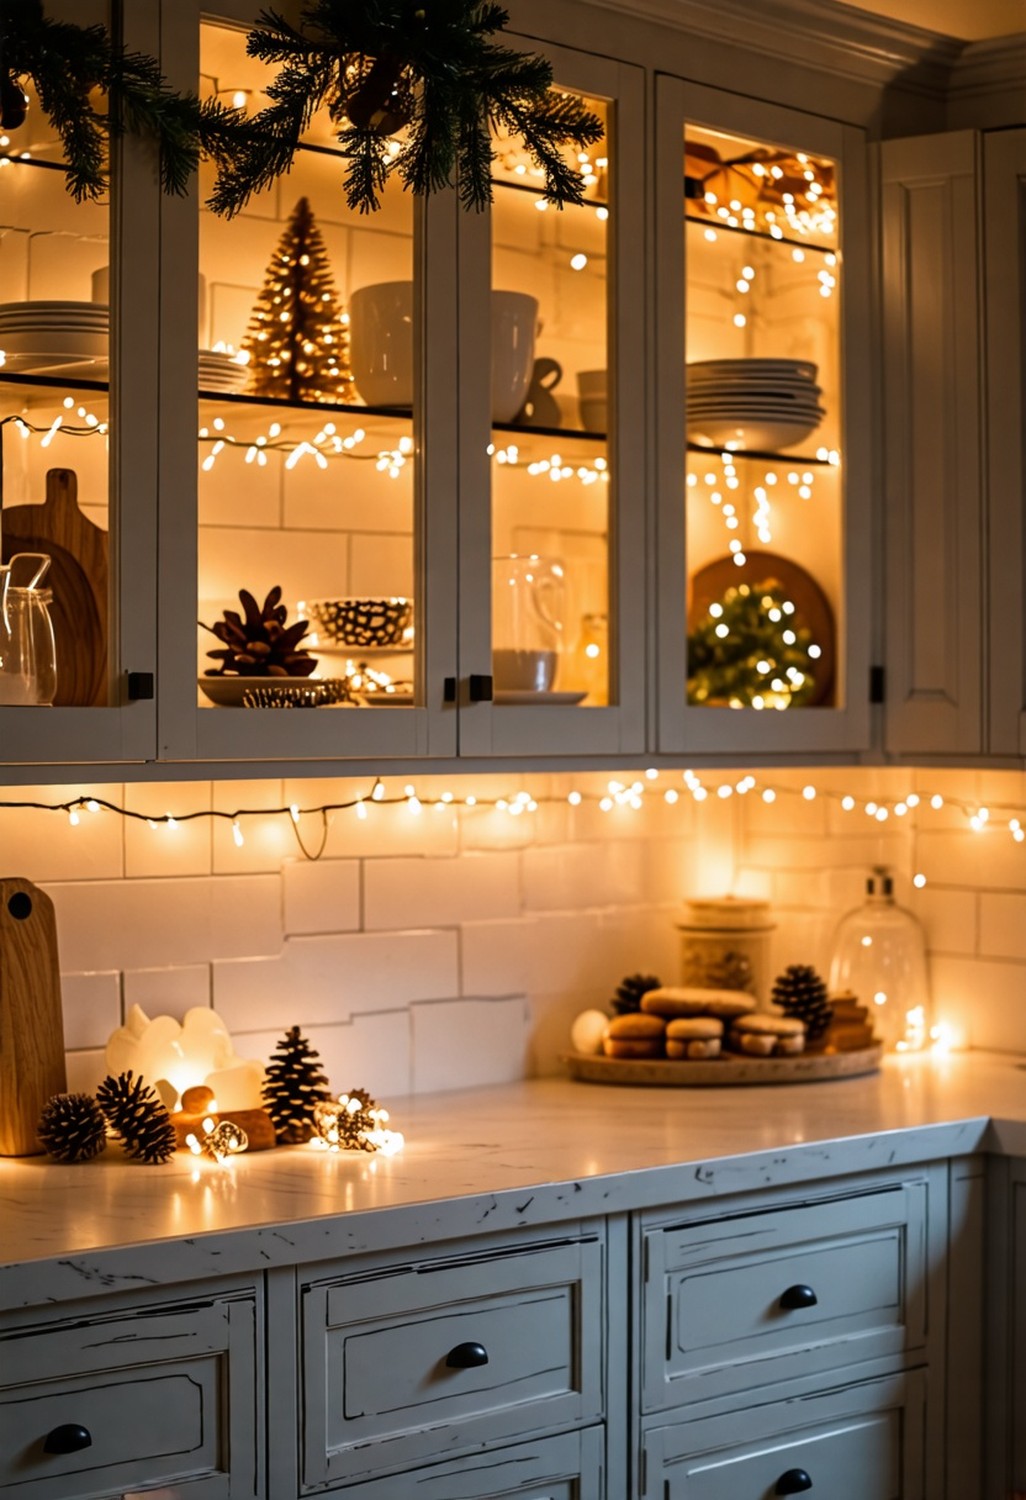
933,497
1005,1368
763,464
164,1394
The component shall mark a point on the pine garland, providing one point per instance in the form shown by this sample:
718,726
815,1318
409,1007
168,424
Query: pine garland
425,67
66,63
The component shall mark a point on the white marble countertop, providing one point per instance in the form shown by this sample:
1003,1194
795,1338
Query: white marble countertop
527,1154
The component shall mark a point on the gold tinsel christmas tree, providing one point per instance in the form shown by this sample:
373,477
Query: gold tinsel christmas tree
298,337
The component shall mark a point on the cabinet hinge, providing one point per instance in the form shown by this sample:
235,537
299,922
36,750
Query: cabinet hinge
876,684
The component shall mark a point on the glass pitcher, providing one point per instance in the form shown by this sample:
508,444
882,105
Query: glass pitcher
527,623
28,656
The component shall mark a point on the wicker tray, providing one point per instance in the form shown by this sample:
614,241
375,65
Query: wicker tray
809,1067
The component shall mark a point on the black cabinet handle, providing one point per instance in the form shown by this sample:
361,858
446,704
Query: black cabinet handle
794,1482
795,1297
466,1357
479,688
70,1437
449,690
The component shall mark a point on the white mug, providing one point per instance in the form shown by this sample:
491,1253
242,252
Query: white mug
381,346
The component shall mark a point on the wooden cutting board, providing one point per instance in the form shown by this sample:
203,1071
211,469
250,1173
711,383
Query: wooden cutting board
31,1021
78,577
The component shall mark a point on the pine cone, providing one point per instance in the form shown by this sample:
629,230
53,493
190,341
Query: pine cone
293,1084
260,645
135,1113
72,1127
630,990
801,993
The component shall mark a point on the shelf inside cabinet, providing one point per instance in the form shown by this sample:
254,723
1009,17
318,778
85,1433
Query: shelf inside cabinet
761,454
708,222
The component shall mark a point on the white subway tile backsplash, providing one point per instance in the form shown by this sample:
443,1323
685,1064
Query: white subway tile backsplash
457,947
440,892
458,1043
323,896
141,924
86,1071
328,979
167,991
92,1008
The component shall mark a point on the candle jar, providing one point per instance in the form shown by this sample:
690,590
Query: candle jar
725,945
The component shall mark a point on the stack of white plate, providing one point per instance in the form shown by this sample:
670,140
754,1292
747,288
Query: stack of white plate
221,372
55,338
752,403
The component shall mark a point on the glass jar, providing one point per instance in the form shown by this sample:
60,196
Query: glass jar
28,658
879,954
725,944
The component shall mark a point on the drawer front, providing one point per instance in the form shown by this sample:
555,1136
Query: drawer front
731,1304
164,1398
864,1442
569,1467
438,1358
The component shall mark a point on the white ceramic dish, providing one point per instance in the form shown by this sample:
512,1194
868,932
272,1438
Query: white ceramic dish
524,695
761,434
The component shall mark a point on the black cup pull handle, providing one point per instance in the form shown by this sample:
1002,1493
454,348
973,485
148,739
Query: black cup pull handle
795,1297
70,1437
466,1357
794,1482
479,688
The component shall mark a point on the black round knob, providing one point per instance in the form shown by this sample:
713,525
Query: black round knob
70,1437
466,1356
794,1482
798,1296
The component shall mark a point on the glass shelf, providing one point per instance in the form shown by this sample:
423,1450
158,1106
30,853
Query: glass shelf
708,222
51,382
767,454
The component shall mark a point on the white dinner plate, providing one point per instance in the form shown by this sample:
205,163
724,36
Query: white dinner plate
750,435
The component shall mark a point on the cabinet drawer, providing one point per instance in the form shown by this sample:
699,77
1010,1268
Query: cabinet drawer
438,1357
569,1467
733,1303
852,1444
162,1398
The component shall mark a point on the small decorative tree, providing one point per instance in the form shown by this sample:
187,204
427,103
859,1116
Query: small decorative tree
298,339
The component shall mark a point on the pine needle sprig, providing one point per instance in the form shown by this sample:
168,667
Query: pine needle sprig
381,67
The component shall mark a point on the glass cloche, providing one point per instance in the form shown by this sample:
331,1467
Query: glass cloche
879,953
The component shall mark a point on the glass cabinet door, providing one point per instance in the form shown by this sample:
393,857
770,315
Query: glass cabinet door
76,582
314,363
552,442
763,427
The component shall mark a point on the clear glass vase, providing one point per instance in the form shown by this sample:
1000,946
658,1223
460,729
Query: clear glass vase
879,954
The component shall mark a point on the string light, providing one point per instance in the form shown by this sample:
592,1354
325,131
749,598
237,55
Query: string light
629,796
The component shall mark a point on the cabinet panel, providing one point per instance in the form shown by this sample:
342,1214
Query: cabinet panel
763,426
1004,279
731,1305
863,1440
563,1468
408,1366
933,523
165,1396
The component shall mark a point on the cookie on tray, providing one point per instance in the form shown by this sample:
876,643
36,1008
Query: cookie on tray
634,1035
685,1000
763,1035
695,1038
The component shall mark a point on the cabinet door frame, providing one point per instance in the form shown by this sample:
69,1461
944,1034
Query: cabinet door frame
125,729
552,729
188,732
1004,282
933,525
684,727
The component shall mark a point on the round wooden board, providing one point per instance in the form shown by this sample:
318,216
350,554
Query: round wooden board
732,1070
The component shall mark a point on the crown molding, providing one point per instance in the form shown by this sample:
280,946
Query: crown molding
825,35
997,63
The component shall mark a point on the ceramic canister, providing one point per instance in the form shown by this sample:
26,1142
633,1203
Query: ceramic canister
725,944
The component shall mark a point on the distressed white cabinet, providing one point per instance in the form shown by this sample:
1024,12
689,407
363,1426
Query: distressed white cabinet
1005,1368
122,1398
954,249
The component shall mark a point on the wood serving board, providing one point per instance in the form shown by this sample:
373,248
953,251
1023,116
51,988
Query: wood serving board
31,1020
78,577
731,1070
